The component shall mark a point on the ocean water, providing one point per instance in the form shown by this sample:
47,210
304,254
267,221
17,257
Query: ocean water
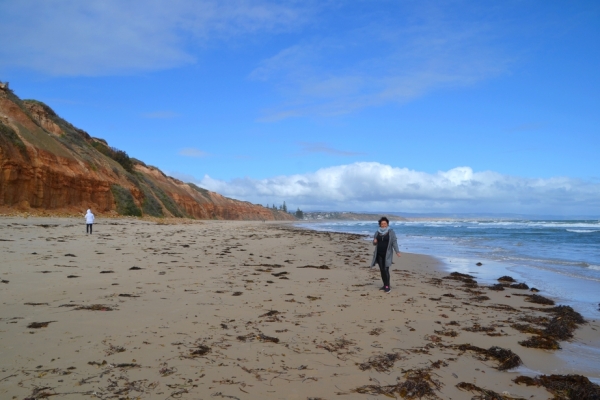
561,258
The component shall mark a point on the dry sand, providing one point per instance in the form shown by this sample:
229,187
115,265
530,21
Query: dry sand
243,310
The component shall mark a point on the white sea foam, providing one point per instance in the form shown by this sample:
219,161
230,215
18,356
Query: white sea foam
582,230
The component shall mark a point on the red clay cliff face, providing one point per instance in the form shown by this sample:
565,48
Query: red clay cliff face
48,165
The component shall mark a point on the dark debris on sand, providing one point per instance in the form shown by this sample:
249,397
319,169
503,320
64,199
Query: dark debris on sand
93,307
380,363
417,384
506,278
522,286
315,266
37,325
200,351
484,394
560,327
564,387
506,358
337,345
537,299
464,278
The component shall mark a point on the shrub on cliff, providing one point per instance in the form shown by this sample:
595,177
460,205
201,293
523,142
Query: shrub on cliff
125,203
118,155
122,158
167,201
8,135
150,205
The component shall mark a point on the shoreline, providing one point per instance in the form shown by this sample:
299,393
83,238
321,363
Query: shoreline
243,309
579,356
566,281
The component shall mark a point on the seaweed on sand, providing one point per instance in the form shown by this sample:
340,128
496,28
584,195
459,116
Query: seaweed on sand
560,327
458,276
380,363
497,287
447,332
37,325
506,278
506,358
262,337
113,349
479,328
465,278
485,394
519,286
337,345
417,384
567,387
526,328
537,299
95,307
200,351
564,322
269,314
265,338
541,342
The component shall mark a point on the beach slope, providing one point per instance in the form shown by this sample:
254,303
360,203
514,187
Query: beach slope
248,310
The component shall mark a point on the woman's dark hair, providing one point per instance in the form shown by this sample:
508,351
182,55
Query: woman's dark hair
383,219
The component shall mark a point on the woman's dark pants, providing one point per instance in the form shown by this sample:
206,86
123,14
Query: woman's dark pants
385,271
88,228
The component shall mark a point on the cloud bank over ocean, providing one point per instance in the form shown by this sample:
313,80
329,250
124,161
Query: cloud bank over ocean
371,186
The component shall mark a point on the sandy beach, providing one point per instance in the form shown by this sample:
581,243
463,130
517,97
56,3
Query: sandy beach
252,310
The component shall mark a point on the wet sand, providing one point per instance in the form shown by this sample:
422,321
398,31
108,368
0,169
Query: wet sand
247,310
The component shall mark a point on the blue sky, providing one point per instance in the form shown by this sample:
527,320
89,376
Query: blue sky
415,106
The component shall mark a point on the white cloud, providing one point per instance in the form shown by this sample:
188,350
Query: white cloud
72,37
365,186
191,152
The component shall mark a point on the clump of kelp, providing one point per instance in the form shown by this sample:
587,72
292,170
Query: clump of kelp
560,327
510,282
522,286
38,325
380,363
464,278
506,278
537,299
93,307
564,387
417,383
505,357
485,394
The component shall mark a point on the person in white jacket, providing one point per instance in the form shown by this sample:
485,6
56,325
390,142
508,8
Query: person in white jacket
89,222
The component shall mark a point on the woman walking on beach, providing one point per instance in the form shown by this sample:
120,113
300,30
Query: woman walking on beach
385,243
89,222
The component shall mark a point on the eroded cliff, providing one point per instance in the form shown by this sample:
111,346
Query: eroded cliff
48,164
